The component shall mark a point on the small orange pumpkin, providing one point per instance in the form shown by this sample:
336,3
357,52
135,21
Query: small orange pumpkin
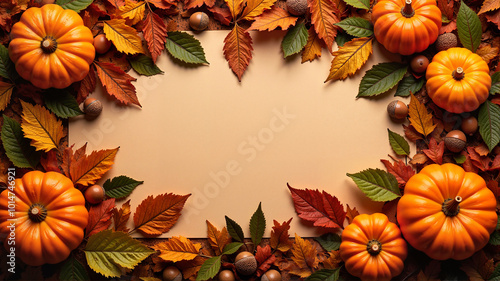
446,212
372,248
458,80
51,47
50,217
406,26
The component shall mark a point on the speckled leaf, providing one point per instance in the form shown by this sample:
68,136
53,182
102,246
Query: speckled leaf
377,184
357,27
185,47
489,124
468,27
294,40
381,78
408,85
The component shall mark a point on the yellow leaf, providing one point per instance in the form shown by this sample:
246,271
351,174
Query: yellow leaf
489,5
272,19
304,256
124,37
218,239
255,8
133,11
5,94
350,57
420,119
312,49
178,249
89,169
235,7
323,18
41,126
487,52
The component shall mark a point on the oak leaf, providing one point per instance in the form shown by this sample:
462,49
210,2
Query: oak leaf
89,169
489,5
41,126
279,236
435,151
5,94
272,19
312,49
235,7
323,18
133,11
265,259
350,57
124,37
99,217
177,249
420,118
255,8
155,34
156,215
304,256
400,170
351,213
117,83
121,216
217,239
238,50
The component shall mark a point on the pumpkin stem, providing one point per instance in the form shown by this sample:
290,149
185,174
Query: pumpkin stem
407,11
48,44
451,207
37,212
458,73
374,247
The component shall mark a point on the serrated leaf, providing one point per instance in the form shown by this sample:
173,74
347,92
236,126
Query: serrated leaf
489,5
381,78
294,40
177,249
73,270
304,256
217,239
238,50
329,241
489,124
155,34
349,58
255,8
342,38
235,7
144,65
209,268
469,27
279,236
409,85
75,5
323,19
257,225
185,47
133,11
5,94
360,4
121,217
41,126
117,83
120,187
232,248
99,217
495,83
16,146
234,229
377,184
272,19
6,65
108,252
357,27
63,104
89,169
398,143
312,49
124,37
325,275
420,118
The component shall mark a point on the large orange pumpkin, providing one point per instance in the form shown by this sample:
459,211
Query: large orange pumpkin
50,214
458,80
406,26
372,248
446,212
51,47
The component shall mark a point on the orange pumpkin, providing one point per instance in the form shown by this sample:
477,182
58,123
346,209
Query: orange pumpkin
372,248
458,80
446,212
51,47
50,217
406,26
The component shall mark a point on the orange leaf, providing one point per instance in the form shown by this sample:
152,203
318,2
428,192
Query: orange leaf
5,94
272,19
351,213
265,259
117,83
69,158
155,34
304,256
323,18
218,239
161,4
123,36
494,18
482,149
400,170
177,249
133,11
279,236
489,5
333,261
120,217
255,8
487,52
190,268
156,215
312,49
435,151
350,57
190,4
86,86
99,217
420,119
235,6
411,134
41,126
419,158
238,50
88,169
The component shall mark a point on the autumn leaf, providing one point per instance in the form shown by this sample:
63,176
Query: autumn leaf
400,170
411,134
133,11
419,159
304,256
117,83
494,18
235,6
190,4
279,236
265,259
350,57
489,5
161,4
120,217
312,49
351,213
190,268
155,34
480,162
88,169
435,151
431,272
16,146
238,50
272,19
420,119
86,86
69,158
5,94
156,215
487,52
333,261
478,267
217,239
124,37
255,8
41,126
323,18
446,7
99,217
177,249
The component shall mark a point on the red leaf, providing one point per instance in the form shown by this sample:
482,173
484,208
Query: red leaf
467,165
120,217
494,17
264,258
446,7
86,86
445,28
238,50
161,4
117,82
279,236
400,170
190,4
495,164
223,15
493,186
322,209
100,217
480,162
69,158
155,34
389,209
435,151
49,161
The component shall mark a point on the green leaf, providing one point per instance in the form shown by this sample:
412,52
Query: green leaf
377,184
16,146
495,83
234,230
459,158
360,4
489,124
257,225
73,270
408,85
355,26
381,78
209,269
75,5
144,65
6,65
185,47
62,103
468,27
108,252
324,275
342,38
398,143
329,241
495,275
294,40
120,186
232,248
495,236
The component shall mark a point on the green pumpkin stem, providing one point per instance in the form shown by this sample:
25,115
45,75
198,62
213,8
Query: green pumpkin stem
458,74
374,247
451,207
407,11
48,45
37,212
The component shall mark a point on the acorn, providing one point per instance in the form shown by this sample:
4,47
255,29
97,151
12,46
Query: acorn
172,273
271,275
397,109
419,64
296,7
446,41
226,275
92,107
455,141
245,263
198,21
469,125
95,194
101,43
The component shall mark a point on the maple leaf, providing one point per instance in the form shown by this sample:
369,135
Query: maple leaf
478,267
177,249
120,217
304,256
350,57
420,119
351,213
99,217
69,158
265,259
156,215
155,34
41,126
323,18
217,239
49,161
133,11
117,83
124,37
235,6
5,94
435,151
88,169
468,165
272,19
489,5
238,50
487,52
312,49
279,236
419,159
400,170
450,27
87,85
255,8
495,164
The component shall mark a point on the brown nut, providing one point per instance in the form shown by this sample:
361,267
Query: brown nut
245,263
397,109
419,63
95,194
455,141
469,125
296,7
172,273
446,41
92,107
101,44
198,21
226,275
271,275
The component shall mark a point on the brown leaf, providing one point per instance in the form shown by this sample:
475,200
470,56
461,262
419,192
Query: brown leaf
117,83
323,17
487,52
255,8
99,217
279,236
69,157
494,18
419,159
351,213
431,272
449,27
493,186
49,161
446,7
120,217
435,151
221,14
420,119
400,170
411,134
478,267
161,4
190,268
89,169
480,162
482,149
155,34
156,215
86,86
312,49
390,209
304,256
190,4
217,239
272,19
489,5
264,258
333,261
468,165
178,249
238,50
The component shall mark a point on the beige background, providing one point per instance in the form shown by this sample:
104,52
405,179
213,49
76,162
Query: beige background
233,145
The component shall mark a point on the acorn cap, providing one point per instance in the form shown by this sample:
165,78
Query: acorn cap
296,7
271,275
455,141
92,107
245,263
172,273
446,41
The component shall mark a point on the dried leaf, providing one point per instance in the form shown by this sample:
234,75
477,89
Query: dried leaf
120,217
333,260
117,83
324,19
304,256
489,5
177,249
478,267
420,119
89,169
419,159
487,52
238,50
133,11
124,37
5,94
217,239
494,18
411,134
190,4
349,58
41,126
435,151
235,6
155,34
99,217
265,259
279,236
446,7
401,171
69,157
272,19
480,162
86,86
190,268
482,149
49,161
312,49
351,213
255,8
